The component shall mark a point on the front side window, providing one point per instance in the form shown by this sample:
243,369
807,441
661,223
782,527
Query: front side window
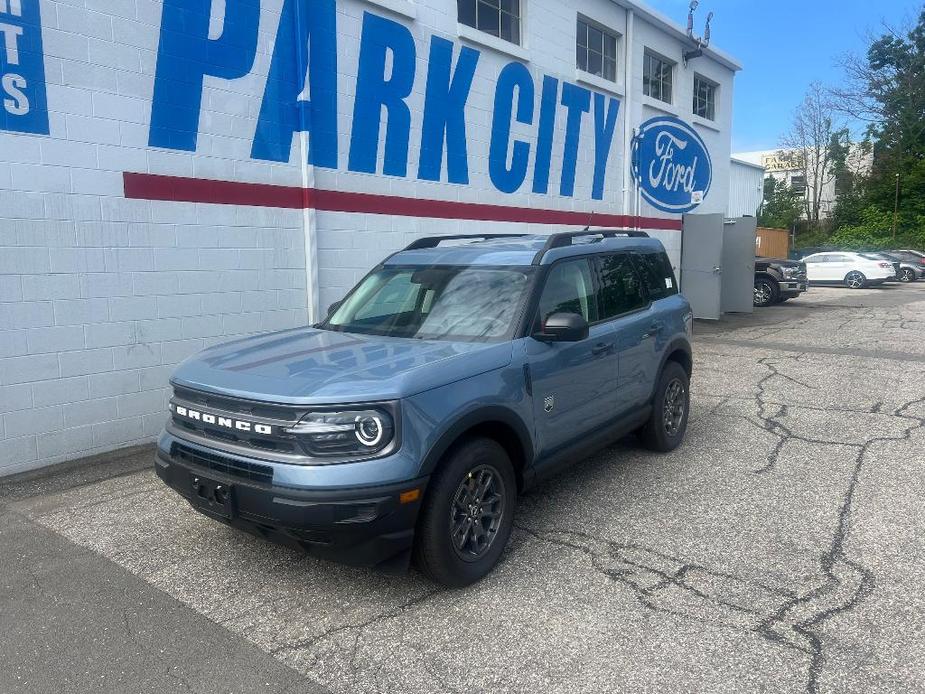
657,77
569,288
704,98
621,288
434,303
499,18
657,275
597,50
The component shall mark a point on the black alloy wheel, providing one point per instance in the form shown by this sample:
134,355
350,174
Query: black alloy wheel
670,410
674,407
476,513
467,515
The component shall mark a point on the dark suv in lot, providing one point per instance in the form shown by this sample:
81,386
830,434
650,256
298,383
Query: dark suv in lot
777,280
450,379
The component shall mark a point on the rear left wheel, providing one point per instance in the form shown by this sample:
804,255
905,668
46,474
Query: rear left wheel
855,280
666,426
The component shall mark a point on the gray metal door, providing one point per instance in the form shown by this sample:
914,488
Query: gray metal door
702,263
739,265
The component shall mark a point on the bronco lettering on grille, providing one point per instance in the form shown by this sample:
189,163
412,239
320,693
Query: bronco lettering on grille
225,422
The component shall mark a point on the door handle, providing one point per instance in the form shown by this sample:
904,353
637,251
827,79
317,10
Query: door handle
717,270
602,348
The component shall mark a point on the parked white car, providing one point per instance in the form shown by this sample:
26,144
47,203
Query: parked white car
850,269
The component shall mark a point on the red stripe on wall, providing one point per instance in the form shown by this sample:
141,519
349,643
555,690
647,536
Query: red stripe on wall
140,186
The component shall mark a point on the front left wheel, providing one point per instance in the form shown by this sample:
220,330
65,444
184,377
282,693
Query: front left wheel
467,515
907,274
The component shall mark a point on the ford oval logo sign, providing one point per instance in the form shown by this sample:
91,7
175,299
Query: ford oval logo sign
671,165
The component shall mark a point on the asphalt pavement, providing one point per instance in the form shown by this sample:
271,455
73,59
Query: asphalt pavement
781,549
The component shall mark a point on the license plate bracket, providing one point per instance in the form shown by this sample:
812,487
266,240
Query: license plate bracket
213,496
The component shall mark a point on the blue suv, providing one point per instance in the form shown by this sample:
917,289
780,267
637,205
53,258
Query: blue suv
453,377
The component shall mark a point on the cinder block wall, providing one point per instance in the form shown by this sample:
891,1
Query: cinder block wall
100,296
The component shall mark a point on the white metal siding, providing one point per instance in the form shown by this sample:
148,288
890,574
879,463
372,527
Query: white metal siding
746,189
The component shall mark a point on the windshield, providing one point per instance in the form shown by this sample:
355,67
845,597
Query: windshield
434,303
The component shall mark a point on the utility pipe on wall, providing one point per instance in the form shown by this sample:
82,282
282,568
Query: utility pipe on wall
628,111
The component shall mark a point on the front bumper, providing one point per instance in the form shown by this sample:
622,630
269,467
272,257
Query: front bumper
792,288
358,526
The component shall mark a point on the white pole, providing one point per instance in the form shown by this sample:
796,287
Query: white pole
627,111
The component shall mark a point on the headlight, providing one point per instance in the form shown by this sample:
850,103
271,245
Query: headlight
350,433
791,271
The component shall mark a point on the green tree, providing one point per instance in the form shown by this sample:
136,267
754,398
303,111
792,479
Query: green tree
781,206
886,89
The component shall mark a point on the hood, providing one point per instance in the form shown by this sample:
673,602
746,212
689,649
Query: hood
783,262
310,366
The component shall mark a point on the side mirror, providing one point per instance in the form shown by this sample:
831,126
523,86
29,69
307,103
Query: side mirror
333,307
564,327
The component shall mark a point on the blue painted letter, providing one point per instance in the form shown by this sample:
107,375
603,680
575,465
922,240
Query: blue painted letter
23,98
380,37
548,105
506,178
578,102
605,123
186,55
445,112
307,35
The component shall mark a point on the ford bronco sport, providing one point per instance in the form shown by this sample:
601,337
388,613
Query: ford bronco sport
451,378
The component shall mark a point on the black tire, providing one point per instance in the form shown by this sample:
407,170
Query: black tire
907,274
656,435
766,292
434,551
855,280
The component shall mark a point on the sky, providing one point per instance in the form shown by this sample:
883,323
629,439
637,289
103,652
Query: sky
783,46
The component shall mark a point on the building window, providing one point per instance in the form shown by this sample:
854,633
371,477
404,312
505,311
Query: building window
499,18
597,50
704,98
656,77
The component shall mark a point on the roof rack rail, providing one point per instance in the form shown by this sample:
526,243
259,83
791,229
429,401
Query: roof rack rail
565,239
434,241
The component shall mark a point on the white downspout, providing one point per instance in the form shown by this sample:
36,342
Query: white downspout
628,111
309,218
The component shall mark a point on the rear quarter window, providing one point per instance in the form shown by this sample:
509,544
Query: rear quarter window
657,275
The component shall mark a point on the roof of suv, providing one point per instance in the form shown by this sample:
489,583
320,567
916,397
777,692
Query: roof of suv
518,250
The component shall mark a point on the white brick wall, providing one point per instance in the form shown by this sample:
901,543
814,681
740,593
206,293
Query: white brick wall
101,296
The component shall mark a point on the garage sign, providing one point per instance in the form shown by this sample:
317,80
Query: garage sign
671,165
527,108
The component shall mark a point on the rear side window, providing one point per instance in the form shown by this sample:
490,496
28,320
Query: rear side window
621,288
657,275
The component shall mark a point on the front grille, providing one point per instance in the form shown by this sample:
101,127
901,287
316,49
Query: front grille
243,408
219,463
279,417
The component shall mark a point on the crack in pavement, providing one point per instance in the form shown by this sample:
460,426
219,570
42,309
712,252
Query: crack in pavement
395,612
847,582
